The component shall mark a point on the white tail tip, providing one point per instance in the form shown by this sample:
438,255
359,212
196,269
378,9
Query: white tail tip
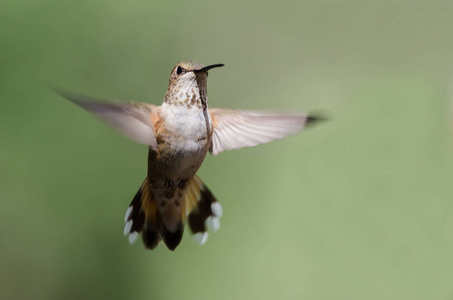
201,238
128,227
213,223
133,237
128,213
217,209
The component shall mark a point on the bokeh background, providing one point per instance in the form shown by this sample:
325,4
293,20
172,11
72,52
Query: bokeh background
359,207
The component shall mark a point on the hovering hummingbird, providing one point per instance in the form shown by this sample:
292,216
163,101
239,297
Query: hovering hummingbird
179,134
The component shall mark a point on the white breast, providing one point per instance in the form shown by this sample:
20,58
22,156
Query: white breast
186,127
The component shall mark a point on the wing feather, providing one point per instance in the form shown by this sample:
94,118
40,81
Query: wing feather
234,129
134,120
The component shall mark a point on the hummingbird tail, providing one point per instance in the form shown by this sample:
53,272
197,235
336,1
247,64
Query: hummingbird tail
141,218
203,210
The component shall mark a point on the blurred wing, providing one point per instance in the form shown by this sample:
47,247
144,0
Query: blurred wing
234,129
131,119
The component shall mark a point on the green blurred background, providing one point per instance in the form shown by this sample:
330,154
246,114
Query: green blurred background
358,208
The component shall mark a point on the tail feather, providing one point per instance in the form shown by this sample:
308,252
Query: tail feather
135,220
151,237
135,214
172,239
201,210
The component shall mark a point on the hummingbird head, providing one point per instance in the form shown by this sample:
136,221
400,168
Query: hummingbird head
188,83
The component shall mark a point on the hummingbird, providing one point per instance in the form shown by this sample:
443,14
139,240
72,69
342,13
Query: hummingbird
179,134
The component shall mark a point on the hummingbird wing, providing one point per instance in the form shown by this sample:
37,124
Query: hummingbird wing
134,120
234,129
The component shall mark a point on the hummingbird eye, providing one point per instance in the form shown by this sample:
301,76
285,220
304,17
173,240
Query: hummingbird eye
179,70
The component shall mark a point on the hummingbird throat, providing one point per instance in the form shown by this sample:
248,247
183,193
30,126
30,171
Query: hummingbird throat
188,92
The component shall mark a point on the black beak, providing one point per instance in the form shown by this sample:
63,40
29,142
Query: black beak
207,68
